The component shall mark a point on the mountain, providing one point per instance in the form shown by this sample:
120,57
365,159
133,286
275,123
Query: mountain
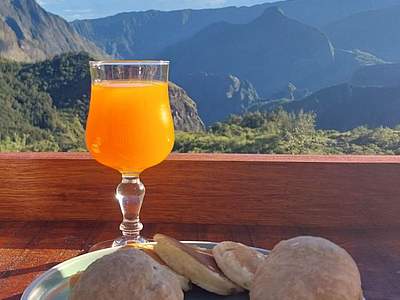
146,34
371,97
346,62
47,102
384,75
220,95
184,110
372,31
345,106
270,52
29,33
321,12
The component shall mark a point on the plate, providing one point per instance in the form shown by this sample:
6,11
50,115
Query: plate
54,284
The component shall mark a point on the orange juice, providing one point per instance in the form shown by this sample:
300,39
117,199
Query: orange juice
129,127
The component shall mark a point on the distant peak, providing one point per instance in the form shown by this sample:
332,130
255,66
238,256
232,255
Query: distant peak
20,4
24,2
273,11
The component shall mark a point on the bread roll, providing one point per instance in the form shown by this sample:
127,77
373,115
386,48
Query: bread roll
124,275
307,268
200,267
149,250
183,281
238,262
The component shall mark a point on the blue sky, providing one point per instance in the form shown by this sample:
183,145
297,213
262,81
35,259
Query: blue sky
86,9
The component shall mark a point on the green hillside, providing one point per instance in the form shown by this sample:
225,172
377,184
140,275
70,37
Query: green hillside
29,114
44,105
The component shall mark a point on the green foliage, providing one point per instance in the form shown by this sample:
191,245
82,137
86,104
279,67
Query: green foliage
16,144
281,132
44,105
66,79
20,144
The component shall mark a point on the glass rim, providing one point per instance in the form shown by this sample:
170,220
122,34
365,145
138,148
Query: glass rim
121,62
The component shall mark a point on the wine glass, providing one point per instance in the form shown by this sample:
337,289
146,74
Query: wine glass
129,128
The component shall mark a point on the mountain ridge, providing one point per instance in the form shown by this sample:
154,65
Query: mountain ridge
270,52
138,35
345,106
372,31
220,95
29,33
383,75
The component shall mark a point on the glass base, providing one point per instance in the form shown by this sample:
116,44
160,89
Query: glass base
121,241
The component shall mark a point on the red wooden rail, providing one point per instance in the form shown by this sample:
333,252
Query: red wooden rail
337,191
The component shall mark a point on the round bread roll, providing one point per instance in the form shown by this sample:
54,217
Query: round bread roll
124,275
307,268
238,262
197,265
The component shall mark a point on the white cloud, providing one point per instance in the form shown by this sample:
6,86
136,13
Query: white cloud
81,11
48,2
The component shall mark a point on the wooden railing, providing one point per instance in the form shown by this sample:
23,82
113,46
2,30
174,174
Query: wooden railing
329,191
54,206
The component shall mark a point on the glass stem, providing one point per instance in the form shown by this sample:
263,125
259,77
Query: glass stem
130,193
